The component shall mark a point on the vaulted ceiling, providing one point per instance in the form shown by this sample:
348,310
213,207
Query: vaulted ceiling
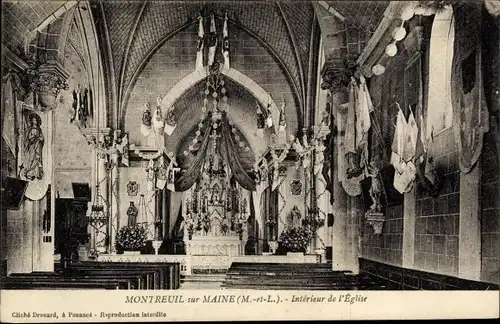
133,30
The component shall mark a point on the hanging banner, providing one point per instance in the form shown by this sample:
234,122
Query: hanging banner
212,42
470,113
225,44
199,51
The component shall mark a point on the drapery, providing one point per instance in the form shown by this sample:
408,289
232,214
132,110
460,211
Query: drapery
188,179
231,157
470,113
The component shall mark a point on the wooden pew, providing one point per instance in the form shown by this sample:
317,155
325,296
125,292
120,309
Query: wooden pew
136,279
61,286
171,271
152,278
32,282
160,275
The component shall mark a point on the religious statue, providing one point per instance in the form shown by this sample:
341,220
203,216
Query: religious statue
34,140
375,189
132,213
158,119
295,217
146,120
325,120
80,106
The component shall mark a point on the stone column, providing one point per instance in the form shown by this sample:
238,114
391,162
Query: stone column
102,181
114,208
323,201
356,207
96,138
340,237
412,43
409,215
469,250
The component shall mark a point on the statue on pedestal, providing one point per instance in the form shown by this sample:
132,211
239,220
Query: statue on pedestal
132,213
295,217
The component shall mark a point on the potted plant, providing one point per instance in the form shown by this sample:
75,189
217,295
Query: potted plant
295,240
131,239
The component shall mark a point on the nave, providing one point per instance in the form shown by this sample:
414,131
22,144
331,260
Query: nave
308,145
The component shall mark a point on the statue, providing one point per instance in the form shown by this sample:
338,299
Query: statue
295,217
132,213
33,163
375,189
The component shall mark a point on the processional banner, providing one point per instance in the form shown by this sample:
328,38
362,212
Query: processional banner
470,113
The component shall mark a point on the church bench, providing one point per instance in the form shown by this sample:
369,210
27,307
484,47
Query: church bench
134,280
162,275
26,282
171,271
153,278
165,272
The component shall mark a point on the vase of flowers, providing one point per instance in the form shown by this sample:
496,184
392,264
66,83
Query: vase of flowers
131,238
295,240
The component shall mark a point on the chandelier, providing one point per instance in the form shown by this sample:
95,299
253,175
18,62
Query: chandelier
98,217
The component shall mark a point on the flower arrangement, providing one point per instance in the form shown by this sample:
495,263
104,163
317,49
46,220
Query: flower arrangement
131,238
295,239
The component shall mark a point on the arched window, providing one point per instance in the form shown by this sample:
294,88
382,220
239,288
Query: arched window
439,108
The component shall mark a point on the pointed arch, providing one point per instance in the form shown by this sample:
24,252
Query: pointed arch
193,78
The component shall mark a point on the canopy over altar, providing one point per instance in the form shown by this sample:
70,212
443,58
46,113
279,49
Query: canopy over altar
216,193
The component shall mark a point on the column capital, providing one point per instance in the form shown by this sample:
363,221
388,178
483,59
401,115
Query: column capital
45,80
94,135
336,74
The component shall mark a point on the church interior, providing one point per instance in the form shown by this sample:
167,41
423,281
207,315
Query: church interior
315,145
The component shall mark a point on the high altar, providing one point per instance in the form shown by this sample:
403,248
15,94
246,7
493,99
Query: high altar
216,208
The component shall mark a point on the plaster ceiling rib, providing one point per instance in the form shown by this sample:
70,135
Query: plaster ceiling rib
127,50
297,56
110,66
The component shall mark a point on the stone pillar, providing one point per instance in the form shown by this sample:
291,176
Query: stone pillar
413,45
102,182
97,137
339,229
356,207
323,201
114,208
409,215
469,250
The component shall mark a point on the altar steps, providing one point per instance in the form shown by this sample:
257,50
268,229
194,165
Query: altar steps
202,281
293,276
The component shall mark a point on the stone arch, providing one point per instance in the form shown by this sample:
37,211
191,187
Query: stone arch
253,87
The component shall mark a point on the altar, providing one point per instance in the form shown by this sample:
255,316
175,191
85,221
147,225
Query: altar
211,246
